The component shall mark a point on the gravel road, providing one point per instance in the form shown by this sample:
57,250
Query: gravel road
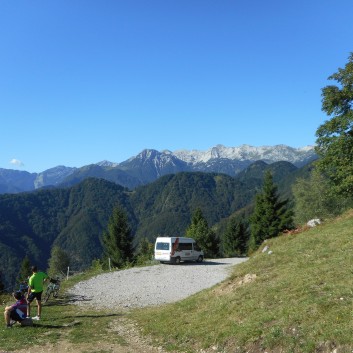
152,285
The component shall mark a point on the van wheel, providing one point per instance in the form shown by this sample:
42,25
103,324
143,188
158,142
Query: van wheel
177,260
200,259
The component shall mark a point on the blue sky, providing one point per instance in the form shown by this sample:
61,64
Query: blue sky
83,81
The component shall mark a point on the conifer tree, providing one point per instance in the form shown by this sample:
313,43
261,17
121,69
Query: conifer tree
117,239
204,236
271,216
59,262
334,142
235,238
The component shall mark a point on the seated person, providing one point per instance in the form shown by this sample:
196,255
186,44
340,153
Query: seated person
16,312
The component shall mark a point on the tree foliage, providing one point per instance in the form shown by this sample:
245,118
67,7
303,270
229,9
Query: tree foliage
271,216
335,136
235,238
25,270
2,286
117,239
144,251
312,199
203,235
59,262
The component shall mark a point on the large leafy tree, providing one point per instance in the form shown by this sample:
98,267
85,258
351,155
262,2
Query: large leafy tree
59,262
144,251
335,136
25,270
271,216
235,238
313,199
117,239
204,236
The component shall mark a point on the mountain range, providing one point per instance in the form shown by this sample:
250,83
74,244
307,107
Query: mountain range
150,164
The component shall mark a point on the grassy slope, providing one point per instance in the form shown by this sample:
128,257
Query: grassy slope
300,300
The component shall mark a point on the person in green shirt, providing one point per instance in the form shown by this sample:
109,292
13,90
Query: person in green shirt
35,290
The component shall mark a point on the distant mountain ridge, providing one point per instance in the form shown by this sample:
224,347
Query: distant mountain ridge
150,164
269,154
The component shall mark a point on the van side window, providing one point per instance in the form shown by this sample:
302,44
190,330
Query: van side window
196,247
162,246
185,246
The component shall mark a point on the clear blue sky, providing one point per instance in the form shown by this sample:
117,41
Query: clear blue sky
83,81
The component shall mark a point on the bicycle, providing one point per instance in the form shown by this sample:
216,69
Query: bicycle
53,288
23,289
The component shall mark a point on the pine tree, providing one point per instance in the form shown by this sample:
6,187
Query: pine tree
117,239
235,238
334,142
271,216
59,262
203,235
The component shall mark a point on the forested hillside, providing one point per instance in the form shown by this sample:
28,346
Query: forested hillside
75,217
31,223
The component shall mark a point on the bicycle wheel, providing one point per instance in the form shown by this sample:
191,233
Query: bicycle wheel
46,296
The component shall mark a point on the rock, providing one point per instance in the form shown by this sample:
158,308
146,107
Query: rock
313,222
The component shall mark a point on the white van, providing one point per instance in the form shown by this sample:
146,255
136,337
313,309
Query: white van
176,249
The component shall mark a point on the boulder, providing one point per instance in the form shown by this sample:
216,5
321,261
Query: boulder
313,222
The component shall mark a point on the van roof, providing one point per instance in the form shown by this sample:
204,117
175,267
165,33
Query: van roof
173,238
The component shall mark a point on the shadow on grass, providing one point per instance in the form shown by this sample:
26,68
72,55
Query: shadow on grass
62,326
66,299
76,321
95,316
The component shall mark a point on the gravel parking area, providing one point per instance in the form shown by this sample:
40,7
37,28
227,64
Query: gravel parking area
152,285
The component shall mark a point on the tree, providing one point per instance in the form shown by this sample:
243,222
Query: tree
25,270
203,235
312,198
117,239
144,251
271,216
335,136
59,262
235,238
2,286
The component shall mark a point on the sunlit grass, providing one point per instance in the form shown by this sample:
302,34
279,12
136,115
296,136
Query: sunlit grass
300,299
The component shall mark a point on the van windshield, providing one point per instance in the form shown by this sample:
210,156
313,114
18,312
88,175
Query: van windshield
162,246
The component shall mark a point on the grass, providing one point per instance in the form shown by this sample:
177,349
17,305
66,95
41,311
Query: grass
62,321
299,299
